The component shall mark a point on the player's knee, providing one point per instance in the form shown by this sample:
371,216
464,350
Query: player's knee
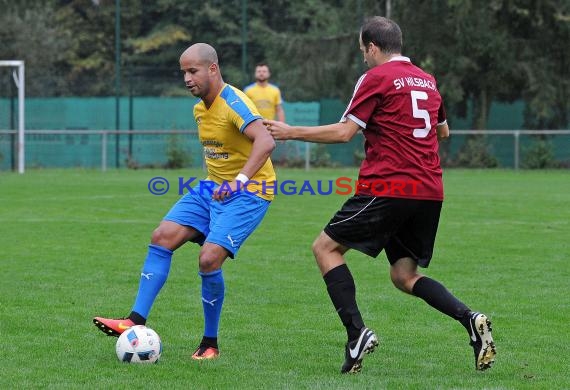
159,236
402,281
315,247
172,235
398,283
207,264
210,259
319,246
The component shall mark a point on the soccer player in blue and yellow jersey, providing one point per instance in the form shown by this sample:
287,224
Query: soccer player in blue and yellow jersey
265,96
216,214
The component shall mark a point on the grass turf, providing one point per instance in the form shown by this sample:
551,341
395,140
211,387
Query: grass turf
73,243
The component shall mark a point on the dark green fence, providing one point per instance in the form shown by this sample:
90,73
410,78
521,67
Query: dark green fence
76,144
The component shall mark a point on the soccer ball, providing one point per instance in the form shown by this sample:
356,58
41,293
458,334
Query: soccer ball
139,344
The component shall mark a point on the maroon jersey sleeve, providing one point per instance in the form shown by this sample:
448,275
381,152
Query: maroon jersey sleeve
364,101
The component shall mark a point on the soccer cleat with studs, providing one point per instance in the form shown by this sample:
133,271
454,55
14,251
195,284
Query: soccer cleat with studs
204,352
481,340
113,327
355,350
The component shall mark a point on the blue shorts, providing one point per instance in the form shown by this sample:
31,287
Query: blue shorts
227,223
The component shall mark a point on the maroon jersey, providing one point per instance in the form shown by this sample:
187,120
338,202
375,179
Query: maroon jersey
399,107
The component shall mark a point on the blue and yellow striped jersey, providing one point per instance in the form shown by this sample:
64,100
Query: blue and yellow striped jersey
226,148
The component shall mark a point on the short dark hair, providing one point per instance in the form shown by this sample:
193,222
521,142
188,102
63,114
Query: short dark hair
262,63
382,32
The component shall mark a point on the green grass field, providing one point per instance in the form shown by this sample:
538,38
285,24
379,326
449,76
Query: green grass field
73,243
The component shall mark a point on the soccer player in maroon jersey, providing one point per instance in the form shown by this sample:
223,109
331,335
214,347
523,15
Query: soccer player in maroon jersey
398,199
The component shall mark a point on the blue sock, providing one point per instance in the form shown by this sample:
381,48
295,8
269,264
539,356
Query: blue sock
153,275
213,291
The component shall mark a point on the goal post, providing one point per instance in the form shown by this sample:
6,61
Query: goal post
19,80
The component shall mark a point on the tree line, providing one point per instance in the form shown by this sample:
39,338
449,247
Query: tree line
479,51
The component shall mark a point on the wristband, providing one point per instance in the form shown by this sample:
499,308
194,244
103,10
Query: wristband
242,178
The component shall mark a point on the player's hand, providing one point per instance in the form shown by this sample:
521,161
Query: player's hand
225,190
278,130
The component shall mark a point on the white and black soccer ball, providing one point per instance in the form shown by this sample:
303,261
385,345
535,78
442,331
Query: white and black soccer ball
139,344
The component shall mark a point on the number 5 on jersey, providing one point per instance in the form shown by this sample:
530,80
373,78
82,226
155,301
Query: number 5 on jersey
420,114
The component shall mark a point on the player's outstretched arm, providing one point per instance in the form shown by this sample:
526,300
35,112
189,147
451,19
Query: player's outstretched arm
327,134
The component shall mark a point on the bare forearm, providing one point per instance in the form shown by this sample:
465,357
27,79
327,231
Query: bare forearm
326,134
